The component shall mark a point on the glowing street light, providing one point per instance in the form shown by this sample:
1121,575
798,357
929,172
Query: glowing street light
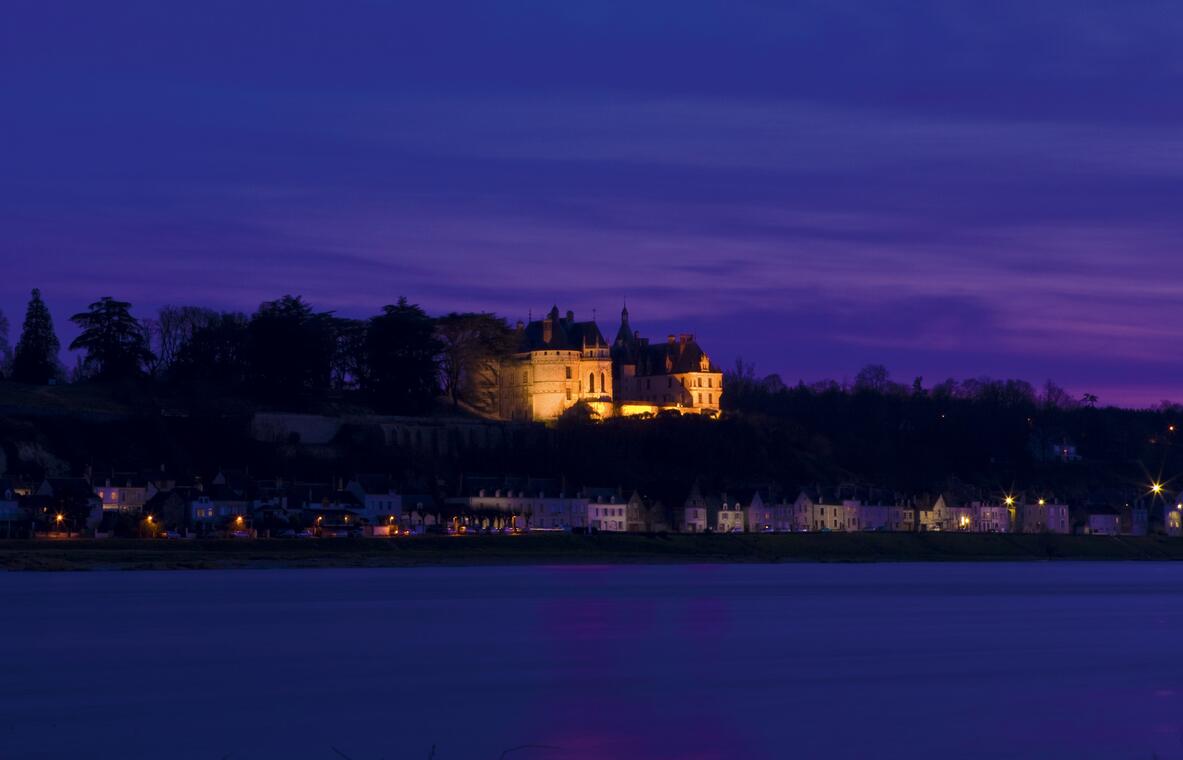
1156,488
1010,501
1042,502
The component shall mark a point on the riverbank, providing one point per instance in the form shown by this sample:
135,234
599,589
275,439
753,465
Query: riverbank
573,549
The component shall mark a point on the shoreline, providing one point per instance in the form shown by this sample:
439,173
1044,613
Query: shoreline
552,549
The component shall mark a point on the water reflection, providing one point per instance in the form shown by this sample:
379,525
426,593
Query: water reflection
985,660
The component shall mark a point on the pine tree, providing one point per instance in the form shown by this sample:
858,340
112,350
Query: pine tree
36,357
114,341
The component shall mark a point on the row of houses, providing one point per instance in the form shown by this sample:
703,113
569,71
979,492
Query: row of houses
230,501
377,504
546,504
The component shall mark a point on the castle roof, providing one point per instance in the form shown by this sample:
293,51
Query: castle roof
677,355
555,333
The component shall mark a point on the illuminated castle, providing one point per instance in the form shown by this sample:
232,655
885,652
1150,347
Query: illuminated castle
560,363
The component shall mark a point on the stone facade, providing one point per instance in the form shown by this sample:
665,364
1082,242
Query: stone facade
560,363
675,376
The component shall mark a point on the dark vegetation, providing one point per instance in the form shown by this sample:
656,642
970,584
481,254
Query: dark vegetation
179,390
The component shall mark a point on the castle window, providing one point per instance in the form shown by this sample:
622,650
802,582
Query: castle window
591,381
700,398
603,386
710,398
568,369
568,394
710,382
526,376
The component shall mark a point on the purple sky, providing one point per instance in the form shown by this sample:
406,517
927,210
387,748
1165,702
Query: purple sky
950,189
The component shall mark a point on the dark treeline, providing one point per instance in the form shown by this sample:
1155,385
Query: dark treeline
975,437
979,436
285,355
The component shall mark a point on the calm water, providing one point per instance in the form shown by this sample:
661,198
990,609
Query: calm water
924,660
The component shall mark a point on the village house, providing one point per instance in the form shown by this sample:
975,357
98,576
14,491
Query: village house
606,509
959,518
729,516
223,502
1135,519
989,518
1172,520
74,498
931,518
875,517
901,518
1103,521
636,514
14,520
695,512
792,516
377,499
496,503
1041,517
759,515
125,492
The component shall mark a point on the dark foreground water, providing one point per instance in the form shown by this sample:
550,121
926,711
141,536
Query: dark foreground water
790,661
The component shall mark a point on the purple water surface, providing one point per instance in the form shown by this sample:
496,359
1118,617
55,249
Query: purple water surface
746,661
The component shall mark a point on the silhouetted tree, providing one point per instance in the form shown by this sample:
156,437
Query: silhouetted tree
874,378
213,352
474,346
5,347
401,374
349,353
289,351
113,340
36,357
170,330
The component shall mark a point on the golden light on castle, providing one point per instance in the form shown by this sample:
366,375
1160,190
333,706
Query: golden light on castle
561,363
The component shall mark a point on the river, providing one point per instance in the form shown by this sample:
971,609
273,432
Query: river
1030,660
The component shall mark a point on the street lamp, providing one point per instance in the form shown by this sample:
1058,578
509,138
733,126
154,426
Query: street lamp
1156,488
1010,501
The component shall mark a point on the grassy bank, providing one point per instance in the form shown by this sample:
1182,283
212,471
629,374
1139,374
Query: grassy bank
570,549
